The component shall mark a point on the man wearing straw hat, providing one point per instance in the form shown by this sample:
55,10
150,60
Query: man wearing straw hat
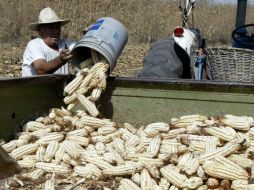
48,53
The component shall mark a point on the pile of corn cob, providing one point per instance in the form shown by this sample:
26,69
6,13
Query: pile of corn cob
190,152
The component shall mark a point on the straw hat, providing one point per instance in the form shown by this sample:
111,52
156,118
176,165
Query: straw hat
47,16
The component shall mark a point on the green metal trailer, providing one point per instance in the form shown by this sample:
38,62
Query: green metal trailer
134,100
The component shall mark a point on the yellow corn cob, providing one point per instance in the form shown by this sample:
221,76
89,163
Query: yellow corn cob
59,153
164,184
26,163
51,151
10,146
224,133
127,184
74,84
96,161
71,149
33,126
123,170
241,161
50,137
53,167
36,174
194,182
145,179
40,153
154,146
24,150
88,105
226,150
188,163
173,176
223,168
82,141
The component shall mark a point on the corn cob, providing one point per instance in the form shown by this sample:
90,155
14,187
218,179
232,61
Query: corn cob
96,161
82,141
78,132
130,128
36,174
33,126
153,170
154,146
241,161
71,149
106,130
97,123
152,161
173,133
164,184
212,183
50,137
10,146
24,150
88,105
53,167
201,173
226,150
118,158
95,95
198,147
203,187
50,184
241,185
118,144
223,168
59,153
24,139
26,163
127,184
210,146
239,123
224,133
173,188
51,151
122,170
100,148
69,161
90,170
173,176
188,163
40,133
145,179
194,182
74,84
40,153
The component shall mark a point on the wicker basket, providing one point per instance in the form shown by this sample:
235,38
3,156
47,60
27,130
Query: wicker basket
232,64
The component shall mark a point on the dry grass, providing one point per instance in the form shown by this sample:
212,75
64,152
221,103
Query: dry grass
146,20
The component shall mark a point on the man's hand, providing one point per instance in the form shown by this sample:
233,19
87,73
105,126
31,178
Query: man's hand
65,55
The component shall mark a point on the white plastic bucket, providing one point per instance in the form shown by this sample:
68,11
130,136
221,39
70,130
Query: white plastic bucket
106,36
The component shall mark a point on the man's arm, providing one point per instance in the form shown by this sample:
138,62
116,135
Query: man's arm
42,67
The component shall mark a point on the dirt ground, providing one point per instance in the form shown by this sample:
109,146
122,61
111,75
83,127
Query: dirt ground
129,63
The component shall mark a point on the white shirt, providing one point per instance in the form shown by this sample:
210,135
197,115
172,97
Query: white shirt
37,49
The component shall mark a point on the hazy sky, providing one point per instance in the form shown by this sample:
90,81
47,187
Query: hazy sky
232,1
